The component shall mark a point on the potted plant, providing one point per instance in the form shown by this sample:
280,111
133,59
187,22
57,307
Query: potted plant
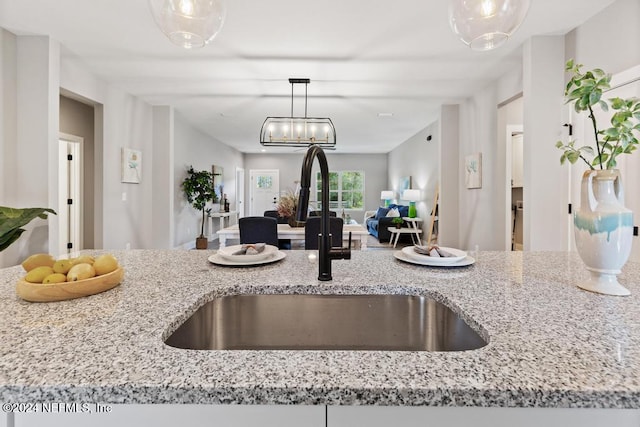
397,221
286,207
603,227
198,187
12,220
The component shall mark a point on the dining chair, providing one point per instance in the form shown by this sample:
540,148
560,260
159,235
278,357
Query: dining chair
312,229
282,243
258,229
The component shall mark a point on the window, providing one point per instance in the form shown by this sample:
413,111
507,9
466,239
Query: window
346,190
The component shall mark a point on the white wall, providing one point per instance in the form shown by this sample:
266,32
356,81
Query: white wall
194,148
420,159
290,167
449,203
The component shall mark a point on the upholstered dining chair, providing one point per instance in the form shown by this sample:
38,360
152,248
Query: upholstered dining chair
282,243
312,229
318,213
258,229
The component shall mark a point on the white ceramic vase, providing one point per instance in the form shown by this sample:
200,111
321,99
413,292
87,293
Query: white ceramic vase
603,231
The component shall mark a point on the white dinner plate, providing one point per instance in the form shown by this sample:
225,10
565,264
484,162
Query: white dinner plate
229,251
458,256
219,260
429,262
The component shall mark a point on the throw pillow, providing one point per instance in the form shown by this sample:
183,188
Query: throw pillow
393,212
381,212
404,210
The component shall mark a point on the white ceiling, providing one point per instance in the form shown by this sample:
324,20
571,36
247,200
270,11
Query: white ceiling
363,57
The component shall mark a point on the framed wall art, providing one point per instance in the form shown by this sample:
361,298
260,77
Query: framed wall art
131,166
473,170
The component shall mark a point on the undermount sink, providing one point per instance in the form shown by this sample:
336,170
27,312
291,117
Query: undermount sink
325,322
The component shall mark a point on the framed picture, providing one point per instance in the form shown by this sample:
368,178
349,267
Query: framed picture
131,165
405,184
473,170
218,180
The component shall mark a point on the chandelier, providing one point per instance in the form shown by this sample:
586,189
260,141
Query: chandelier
486,24
189,23
298,131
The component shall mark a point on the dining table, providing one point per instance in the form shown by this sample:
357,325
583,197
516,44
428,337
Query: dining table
358,233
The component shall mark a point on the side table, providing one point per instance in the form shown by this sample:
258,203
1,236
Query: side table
396,232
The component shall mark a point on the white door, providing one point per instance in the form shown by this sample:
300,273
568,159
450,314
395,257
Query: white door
70,193
264,190
240,192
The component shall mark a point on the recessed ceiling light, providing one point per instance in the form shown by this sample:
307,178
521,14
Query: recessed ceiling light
263,150
385,114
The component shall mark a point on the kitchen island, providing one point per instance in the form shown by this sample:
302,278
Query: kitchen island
550,344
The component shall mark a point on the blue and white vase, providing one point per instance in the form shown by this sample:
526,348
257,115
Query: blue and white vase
603,231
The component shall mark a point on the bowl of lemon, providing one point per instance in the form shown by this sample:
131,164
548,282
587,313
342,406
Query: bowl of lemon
48,279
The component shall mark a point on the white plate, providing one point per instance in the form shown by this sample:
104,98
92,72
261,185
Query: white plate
428,261
228,253
458,255
218,260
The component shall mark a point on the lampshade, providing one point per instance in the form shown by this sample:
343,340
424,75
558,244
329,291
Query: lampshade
486,24
298,131
411,195
386,195
189,23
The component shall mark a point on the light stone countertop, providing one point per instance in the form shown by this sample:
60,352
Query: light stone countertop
550,343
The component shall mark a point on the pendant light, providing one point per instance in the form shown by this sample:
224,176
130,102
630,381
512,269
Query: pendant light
298,131
189,23
486,24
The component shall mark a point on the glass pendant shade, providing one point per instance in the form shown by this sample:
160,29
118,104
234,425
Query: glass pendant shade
486,24
189,23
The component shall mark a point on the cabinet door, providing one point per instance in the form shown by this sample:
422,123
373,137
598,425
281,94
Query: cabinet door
178,415
411,416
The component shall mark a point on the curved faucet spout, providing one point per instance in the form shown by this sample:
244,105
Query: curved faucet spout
325,253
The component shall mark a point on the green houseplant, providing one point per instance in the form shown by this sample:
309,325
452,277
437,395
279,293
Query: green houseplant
12,220
603,226
199,189
397,221
585,91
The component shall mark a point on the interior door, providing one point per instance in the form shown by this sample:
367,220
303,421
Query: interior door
264,190
70,193
240,192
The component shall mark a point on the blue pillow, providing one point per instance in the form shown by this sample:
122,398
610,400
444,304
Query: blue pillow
404,210
381,212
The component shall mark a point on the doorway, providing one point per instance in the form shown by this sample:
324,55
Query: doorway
517,189
70,200
264,190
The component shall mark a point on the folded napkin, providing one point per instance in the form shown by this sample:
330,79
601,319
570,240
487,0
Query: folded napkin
433,251
250,249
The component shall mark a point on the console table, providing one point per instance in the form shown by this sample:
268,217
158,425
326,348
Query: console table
221,216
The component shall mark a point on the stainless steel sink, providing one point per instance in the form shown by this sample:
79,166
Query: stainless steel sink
325,322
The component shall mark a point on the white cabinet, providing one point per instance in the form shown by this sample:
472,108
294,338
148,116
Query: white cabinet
517,160
418,416
179,415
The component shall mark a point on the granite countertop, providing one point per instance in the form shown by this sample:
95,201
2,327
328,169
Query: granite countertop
550,343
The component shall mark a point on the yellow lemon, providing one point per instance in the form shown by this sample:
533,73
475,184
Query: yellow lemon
62,266
80,272
55,278
37,275
105,264
37,260
83,259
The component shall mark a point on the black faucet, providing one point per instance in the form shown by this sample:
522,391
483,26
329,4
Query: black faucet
325,252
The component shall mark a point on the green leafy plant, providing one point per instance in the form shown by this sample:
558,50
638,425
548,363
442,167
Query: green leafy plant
12,220
585,91
199,189
397,221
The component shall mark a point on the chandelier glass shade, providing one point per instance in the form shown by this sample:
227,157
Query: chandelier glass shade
298,131
189,23
486,24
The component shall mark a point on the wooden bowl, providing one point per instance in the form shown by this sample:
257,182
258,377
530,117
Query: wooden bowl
38,292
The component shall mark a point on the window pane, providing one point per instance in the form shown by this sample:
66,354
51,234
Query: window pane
264,181
358,181
333,181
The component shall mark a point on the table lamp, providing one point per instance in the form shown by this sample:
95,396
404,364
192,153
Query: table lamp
386,195
412,196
